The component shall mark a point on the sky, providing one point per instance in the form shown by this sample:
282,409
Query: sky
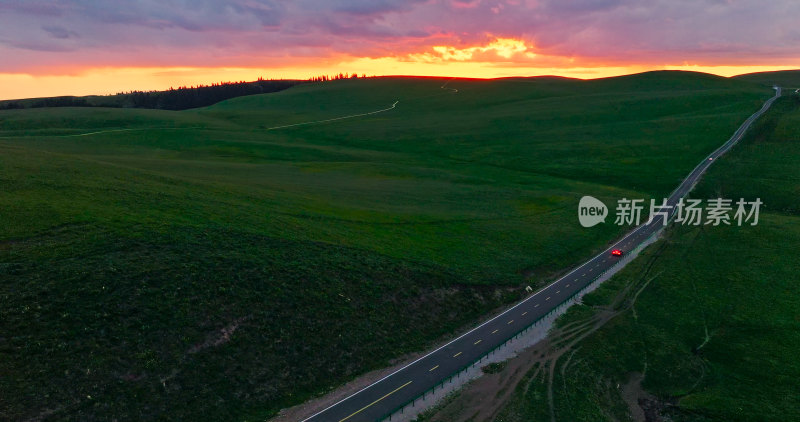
80,47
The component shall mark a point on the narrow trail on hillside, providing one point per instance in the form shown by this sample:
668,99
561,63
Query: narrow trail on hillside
444,86
351,116
313,122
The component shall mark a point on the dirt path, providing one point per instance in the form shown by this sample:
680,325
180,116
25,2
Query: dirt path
313,122
350,116
485,397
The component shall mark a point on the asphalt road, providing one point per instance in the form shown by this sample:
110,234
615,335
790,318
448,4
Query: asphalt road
384,396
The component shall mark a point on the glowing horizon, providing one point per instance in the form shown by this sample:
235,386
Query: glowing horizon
109,81
77,48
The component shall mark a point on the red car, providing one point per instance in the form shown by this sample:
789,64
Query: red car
617,252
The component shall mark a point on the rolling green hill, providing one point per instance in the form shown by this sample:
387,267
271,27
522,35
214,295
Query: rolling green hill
785,78
201,265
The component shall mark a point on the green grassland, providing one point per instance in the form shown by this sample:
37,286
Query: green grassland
200,265
783,78
716,331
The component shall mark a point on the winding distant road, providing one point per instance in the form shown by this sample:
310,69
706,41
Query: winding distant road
379,399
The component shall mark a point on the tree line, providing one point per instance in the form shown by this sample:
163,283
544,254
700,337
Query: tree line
181,98
325,78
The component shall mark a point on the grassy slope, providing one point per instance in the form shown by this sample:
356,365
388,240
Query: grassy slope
738,283
784,78
126,257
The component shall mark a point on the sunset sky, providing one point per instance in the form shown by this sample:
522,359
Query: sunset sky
79,47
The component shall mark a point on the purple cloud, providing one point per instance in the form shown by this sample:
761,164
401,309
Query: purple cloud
271,32
59,32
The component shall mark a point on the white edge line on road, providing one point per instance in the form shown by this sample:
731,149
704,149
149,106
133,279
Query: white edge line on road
633,231
470,331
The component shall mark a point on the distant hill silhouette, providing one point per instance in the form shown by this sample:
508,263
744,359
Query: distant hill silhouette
182,98
172,99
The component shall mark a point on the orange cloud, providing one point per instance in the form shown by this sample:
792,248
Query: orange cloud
504,48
